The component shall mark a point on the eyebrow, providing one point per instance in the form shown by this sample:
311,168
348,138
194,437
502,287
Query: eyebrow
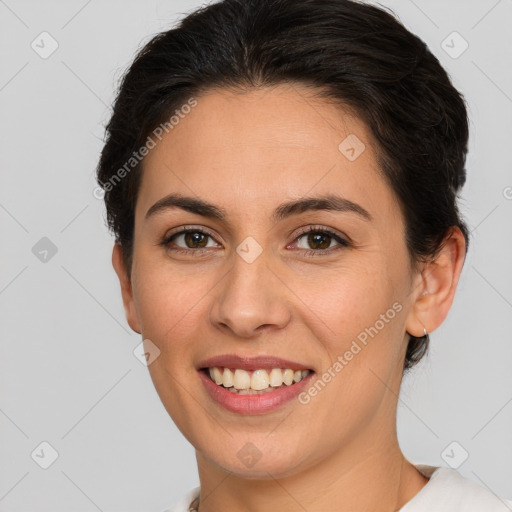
329,202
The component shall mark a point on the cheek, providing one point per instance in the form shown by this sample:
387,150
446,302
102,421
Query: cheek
358,316
346,300
364,346
169,301
171,308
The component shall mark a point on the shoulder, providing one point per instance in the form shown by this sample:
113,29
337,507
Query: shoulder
448,491
183,503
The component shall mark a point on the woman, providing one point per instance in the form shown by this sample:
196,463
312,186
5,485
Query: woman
281,177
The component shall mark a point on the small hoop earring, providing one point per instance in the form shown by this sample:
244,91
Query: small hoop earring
425,337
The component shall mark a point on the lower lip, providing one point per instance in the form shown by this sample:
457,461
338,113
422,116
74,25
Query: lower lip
252,404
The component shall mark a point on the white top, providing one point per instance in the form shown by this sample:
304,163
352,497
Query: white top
446,491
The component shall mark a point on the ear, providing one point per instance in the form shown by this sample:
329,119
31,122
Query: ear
126,288
436,284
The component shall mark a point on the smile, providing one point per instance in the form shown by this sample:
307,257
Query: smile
259,381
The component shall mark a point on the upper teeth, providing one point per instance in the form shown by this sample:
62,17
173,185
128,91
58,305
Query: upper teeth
258,380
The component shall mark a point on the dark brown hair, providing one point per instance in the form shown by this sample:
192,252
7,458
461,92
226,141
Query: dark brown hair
357,54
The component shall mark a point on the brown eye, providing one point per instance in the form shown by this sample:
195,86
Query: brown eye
188,240
192,238
319,240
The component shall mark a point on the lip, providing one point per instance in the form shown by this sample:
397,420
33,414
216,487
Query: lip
234,361
253,404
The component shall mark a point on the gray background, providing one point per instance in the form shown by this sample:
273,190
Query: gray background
68,375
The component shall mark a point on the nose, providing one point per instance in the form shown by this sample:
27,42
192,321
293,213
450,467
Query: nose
250,299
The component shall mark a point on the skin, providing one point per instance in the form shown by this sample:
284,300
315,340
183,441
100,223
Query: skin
247,152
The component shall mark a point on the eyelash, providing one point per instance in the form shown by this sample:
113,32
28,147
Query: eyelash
305,231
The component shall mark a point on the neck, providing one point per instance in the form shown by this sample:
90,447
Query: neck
370,474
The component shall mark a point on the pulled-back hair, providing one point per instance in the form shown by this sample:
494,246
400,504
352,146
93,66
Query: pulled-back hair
356,54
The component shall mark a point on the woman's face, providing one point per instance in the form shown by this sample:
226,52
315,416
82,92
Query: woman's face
256,284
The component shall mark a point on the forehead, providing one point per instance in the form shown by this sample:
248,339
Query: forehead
256,144
284,117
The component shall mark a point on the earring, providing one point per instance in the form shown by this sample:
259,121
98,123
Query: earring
425,337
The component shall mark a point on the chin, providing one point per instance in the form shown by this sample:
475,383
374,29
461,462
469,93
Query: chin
261,470
259,459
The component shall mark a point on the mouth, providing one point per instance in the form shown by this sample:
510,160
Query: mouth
250,385
254,382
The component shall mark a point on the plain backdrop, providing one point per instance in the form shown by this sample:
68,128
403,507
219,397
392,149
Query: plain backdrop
68,375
